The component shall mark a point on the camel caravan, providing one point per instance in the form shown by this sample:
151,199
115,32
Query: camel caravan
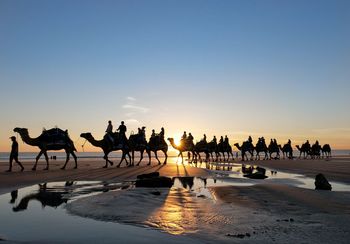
57,139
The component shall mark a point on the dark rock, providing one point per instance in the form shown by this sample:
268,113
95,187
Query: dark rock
160,181
321,183
147,176
256,175
156,193
201,196
291,220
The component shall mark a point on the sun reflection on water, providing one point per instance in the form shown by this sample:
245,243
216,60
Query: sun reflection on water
178,213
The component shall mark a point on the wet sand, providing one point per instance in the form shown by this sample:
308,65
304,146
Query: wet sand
261,213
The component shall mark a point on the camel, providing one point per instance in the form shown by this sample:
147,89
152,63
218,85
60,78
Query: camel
304,149
246,147
315,151
201,147
104,144
135,144
225,148
287,151
183,148
261,147
213,148
53,139
155,144
326,150
273,148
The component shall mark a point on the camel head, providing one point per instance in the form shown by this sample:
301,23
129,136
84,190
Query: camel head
87,135
21,130
171,139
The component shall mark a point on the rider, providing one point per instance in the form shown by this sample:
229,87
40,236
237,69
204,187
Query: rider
226,140
143,134
221,140
250,139
190,138
183,140
204,138
153,133
214,140
109,132
122,131
162,133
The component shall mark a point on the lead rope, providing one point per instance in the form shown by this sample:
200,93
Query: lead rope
82,146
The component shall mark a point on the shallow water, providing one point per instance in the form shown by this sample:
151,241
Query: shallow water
232,172
38,214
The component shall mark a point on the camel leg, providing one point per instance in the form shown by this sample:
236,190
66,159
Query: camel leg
182,157
67,159
149,157
75,160
132,157
47,160
37,159
155,153
141,157
121,160
166,156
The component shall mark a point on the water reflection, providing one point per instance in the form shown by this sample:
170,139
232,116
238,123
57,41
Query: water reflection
45,196
57,193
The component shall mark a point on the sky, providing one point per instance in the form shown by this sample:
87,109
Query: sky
278,69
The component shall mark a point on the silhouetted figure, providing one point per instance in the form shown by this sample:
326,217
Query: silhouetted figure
226,140
250,140
109,133
215,140
204,138
162,133
14,195
122,131
14,154
183,139
190,138
153,133
143,135
221,140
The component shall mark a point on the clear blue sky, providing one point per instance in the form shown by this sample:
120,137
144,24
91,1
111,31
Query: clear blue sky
273,68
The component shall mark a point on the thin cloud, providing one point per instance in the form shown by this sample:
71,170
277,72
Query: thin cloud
136,108
131,99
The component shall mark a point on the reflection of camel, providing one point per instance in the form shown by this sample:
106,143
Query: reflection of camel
183,147
104,144
46,198
54,139
326,150
287,150
155,144
186,182
246,147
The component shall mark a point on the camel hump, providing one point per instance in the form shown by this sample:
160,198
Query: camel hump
55,132
55,136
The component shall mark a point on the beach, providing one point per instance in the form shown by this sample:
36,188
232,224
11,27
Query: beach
263,212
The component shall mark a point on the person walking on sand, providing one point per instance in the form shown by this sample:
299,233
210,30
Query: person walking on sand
14,154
